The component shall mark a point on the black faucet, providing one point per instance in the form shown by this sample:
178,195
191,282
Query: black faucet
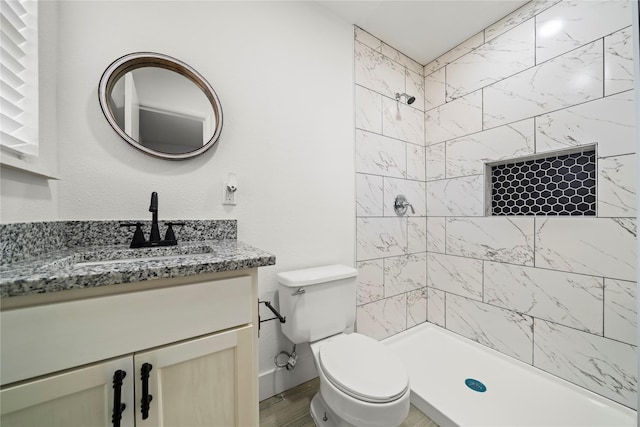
153,208
139,241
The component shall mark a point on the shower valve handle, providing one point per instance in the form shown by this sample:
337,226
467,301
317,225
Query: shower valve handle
400,205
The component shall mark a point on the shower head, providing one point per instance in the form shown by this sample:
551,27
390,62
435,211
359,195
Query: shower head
410,99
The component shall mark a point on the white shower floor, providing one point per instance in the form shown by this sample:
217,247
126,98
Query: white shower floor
439,361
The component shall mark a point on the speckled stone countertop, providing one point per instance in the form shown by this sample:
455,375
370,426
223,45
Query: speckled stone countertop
67,264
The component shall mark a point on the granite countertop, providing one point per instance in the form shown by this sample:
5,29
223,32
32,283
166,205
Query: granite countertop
92,266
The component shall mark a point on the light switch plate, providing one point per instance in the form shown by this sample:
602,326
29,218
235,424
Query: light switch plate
228,197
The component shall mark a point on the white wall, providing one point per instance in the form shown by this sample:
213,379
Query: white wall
283,72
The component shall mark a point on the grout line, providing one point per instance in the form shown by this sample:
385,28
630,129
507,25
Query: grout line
483,262
585,332
445,162
406,161
390,137
525,69
406,310
604,305
604,69
535,139
426,297
530,315
482,110
535,237
533,341
498,126
445,236
535,40
445,310
444,80
391,177
498,262
381,115
386,56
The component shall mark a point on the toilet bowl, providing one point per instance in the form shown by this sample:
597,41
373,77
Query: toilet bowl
362,383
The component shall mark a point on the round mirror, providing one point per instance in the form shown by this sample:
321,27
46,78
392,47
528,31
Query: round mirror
160,105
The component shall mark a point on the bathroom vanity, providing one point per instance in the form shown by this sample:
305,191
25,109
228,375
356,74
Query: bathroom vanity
159,338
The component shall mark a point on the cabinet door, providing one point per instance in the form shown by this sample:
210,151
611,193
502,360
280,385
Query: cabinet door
79,398
206,382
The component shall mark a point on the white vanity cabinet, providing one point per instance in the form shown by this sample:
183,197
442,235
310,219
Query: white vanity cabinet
199,382
196,340
78,398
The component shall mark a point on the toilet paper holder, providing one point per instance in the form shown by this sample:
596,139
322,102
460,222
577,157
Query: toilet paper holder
280,317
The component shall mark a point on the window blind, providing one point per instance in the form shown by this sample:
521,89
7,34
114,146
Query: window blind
19,77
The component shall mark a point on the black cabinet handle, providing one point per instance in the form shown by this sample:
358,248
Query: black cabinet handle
146,397
118,406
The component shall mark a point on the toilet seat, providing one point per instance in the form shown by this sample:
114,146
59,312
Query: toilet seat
363,368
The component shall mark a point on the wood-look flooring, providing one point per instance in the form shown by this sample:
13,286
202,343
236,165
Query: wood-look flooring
291,409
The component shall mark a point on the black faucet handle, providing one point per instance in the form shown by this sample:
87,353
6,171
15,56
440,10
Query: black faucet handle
138,236
170,237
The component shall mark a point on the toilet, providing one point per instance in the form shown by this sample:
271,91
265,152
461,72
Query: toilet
362,383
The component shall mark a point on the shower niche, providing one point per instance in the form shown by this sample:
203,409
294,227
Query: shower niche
559,183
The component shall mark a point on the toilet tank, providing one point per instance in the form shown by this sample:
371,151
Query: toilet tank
317,302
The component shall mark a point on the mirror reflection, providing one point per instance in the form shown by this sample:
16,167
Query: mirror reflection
160,106
162,110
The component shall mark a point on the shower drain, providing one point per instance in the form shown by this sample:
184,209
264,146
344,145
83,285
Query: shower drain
475,385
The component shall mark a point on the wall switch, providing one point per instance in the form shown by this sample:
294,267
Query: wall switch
229,190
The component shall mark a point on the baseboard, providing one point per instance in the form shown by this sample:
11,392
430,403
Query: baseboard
277,380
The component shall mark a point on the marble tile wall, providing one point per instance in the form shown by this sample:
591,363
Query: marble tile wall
390,160
555,292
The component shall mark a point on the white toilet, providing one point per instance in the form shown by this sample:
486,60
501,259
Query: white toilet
361,382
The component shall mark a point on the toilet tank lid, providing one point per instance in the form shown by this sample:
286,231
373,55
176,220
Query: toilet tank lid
312,276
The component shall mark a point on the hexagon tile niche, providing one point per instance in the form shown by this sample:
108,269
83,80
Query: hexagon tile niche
559,185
